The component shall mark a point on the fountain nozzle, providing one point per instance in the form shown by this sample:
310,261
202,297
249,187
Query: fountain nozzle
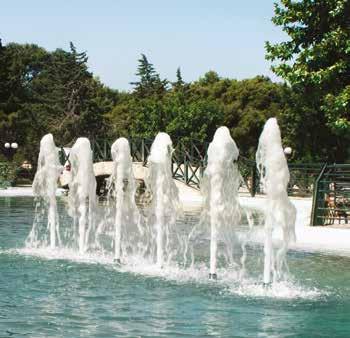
213,276
117,261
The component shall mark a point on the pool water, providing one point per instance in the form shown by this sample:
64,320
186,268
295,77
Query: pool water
65,295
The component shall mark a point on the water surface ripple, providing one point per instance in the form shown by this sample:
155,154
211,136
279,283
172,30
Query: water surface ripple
61,294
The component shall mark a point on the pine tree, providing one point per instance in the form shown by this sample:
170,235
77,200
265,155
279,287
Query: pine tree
150,82
179,83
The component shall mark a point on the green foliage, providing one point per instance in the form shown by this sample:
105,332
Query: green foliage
193,119
179,85
120,118
337,108
150,82
316,62
19,65
195,110
7,174
245,105
42,92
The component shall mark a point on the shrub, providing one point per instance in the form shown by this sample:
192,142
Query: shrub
7,174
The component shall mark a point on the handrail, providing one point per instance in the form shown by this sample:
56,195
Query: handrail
315,195
331,202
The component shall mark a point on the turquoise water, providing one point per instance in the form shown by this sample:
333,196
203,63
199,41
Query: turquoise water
43,295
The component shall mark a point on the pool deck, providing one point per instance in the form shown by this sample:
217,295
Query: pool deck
325,239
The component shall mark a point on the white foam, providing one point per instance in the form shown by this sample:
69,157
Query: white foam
279,290
23,192
228,282
65,254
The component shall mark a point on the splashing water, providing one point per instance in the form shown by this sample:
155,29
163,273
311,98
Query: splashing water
82,192
121,193
156,244
165,205
44,188
220,190
280,212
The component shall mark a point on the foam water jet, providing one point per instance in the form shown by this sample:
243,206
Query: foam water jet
122,192
82,192
165,197
280,212
219,187
44,188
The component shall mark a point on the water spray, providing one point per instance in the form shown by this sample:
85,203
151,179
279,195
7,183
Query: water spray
44,188
165,197
82,191
219,187
280,212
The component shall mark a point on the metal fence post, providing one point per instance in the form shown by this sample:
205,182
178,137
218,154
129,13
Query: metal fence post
143,150
254,177
315,199
185,168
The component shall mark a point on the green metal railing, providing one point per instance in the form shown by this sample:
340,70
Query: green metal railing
62,156
301,183
101,150
329,184
189,161
190,158
331,199
302,178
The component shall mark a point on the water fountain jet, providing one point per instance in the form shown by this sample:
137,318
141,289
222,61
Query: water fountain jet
165,197
82,191
280,212
219,187
122,191
44,188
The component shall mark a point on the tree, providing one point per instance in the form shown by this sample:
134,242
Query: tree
67,100
150,82
42,92
316,62
120,117
193,119
68,84
179,83
209,78
248,104
19,66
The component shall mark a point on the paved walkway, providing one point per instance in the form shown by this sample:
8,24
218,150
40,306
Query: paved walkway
321,238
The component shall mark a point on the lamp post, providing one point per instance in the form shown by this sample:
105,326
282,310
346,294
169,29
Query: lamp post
10,149
288,151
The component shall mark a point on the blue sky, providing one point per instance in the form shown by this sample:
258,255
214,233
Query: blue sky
197,35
